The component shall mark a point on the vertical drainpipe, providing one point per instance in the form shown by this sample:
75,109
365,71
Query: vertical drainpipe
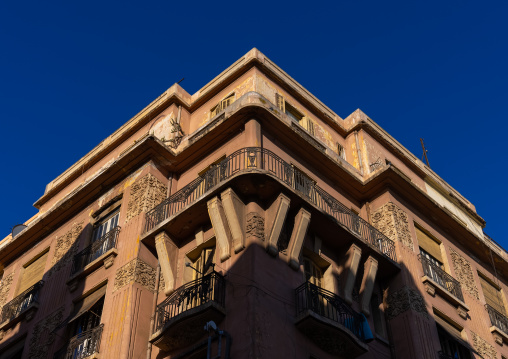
154,307
359,152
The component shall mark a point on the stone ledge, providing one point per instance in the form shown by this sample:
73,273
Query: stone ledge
499,336
432,287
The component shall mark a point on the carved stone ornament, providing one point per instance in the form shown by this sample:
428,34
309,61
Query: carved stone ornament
405,299
42,336
145,194
393,223
65,249
483,349
136,271
255,226
464,273
5,286
177,132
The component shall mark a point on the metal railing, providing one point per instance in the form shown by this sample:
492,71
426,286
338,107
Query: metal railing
250,158
95,250
21,303
497,319
328,305
210,288
442,355
85,344
442,278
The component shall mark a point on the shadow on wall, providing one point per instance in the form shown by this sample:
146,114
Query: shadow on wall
41,321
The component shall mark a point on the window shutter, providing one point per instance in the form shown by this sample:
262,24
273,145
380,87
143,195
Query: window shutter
448,327
279,101
428,244
492,296
32,273
309,125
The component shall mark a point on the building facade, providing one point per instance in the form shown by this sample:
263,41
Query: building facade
250,221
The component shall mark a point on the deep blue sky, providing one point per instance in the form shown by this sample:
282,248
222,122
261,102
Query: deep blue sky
71,73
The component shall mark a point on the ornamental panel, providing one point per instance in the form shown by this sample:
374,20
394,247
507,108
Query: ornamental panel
393,223
464,273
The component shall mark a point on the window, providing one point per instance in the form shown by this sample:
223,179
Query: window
294,114
32,272
14,351
312,273
492,294
431,247
377,316
225,102
205,263
105,225
85,325
450,337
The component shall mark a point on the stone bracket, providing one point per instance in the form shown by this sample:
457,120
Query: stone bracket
107,259
500,337
167,251
353,256
234,209
275,217
302,221
367,286
220,227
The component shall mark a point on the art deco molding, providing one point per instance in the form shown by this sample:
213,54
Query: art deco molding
405,299
393,223
135,271
464,273
43,336
255,226
145,194
5,286
483,349
65,249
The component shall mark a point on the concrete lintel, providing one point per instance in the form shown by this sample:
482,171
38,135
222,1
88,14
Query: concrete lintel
353,257
302,221
167,251
234,209
275,217
220,227
369,277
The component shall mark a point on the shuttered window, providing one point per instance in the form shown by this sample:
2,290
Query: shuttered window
428,244
32,273
205,263
492,296
312,272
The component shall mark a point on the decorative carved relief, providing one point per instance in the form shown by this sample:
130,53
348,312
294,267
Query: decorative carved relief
135,271
42,336
393,223
464,273
145,194
483,349
405,299
162,284
65,249
255,226
5,286
178,134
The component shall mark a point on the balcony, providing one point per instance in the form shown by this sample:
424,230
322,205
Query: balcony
499,325
84,345
181,317
264,161
100,252
329,322
436,279
24,305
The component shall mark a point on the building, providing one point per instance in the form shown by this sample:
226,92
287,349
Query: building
252,205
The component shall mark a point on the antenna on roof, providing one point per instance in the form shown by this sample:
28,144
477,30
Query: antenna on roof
183,78
424,152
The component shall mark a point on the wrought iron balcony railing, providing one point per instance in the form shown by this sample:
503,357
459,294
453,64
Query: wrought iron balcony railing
95,250
497,319
250,158
210,288
85,344
21,303
442,278
442,355
330,306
